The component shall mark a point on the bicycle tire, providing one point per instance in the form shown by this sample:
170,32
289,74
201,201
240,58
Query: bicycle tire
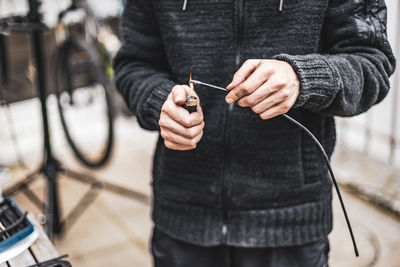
63,83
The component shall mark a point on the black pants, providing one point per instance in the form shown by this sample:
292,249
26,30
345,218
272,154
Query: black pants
170,252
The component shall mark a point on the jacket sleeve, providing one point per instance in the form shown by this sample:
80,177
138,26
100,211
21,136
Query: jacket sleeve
141,68
351,73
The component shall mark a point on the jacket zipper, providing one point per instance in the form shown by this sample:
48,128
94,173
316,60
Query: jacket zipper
227,137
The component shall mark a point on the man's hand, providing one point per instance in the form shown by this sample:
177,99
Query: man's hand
180,129
269,87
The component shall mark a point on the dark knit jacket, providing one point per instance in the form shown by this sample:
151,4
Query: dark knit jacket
251,182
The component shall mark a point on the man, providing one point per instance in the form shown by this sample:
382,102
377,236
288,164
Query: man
235,184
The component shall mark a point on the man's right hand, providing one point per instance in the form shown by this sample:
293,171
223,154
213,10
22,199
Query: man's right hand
180,129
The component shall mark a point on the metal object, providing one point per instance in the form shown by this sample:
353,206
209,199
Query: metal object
208,85
184,5
51,166
191,101
191,104
280,5
56,262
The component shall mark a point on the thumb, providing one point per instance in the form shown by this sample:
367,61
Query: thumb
179,94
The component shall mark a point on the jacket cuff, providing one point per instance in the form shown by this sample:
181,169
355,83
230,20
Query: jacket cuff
150,111
318,80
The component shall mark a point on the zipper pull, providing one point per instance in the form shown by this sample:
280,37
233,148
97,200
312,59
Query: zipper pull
184,5
280,5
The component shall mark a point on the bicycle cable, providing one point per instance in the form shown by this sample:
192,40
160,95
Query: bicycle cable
325,156
334,181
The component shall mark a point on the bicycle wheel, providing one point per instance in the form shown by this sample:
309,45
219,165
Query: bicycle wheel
84,102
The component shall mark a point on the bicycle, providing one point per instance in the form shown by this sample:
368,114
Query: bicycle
50,167
83,75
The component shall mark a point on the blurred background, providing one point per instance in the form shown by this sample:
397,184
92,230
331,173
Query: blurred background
92,132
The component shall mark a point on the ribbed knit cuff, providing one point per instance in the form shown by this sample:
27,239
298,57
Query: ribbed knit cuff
149,113
319,81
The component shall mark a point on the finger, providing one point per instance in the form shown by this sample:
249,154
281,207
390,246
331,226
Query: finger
251,84
191,132
274,85
177,146
179,139
267,103
274,111
273,99
167,122
284,98
244,71
197,138
195,118
257,96
181,115
174,146
180,93
176,112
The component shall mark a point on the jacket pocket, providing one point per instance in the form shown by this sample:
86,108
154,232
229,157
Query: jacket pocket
314,166
189,176
266,165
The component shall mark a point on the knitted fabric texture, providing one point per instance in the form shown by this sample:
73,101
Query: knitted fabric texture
251,182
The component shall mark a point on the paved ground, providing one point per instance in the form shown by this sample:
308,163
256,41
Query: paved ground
115,230
376,181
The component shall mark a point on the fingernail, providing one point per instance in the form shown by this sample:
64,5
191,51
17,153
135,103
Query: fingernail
229,100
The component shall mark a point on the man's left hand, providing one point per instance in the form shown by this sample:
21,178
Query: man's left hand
269,87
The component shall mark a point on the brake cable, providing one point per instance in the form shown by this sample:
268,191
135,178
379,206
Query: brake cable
325,156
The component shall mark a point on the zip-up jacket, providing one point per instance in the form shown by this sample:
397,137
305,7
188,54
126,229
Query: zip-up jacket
251,182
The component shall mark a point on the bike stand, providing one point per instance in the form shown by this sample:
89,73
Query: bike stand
56,226
51,167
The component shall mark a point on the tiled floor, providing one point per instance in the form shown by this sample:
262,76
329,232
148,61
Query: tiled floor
114,230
